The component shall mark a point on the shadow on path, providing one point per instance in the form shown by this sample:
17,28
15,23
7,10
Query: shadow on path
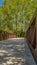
15,52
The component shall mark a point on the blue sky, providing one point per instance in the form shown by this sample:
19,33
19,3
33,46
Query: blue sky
0,2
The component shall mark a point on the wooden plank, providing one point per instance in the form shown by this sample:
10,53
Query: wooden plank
36,31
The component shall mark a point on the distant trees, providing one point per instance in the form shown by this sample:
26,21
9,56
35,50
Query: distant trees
16,14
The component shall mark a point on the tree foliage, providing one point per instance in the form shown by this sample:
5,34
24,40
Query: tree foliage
16,14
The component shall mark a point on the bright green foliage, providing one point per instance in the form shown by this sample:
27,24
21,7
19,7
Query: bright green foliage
16,14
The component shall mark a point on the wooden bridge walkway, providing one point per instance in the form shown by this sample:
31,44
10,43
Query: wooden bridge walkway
15,52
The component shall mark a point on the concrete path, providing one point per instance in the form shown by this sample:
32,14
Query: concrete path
15,52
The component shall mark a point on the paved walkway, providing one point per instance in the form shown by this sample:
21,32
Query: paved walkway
15,52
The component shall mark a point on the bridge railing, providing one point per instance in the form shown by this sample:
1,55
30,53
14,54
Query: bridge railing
5,35
31,35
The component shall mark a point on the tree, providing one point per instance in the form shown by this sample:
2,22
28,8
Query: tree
16,14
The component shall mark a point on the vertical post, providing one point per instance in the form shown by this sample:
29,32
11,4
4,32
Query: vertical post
36,39
36,31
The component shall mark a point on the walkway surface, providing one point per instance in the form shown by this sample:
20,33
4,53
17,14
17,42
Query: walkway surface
15,52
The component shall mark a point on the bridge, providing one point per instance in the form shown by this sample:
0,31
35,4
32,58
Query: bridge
19,51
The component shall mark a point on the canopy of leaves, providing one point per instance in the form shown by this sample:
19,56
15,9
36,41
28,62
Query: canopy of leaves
16,14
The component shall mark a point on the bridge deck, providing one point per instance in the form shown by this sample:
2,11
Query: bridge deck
15,52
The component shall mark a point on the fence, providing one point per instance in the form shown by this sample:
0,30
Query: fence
31,35
5,35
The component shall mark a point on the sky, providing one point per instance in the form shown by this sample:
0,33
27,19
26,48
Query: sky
0,2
